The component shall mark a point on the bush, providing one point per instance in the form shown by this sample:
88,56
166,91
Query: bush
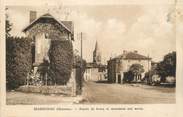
18,61
61,60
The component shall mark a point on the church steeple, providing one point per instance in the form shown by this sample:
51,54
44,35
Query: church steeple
96,46
96,54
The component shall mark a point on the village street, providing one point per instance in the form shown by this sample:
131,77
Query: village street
103,93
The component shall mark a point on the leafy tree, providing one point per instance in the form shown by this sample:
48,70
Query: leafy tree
170,63
136,69
8,26
18,61
167,67
61,60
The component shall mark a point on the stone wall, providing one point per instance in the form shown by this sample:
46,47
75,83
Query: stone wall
63,90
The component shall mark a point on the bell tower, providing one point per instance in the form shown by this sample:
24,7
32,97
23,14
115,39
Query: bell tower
96,54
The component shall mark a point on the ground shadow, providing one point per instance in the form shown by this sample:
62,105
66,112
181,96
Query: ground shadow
167,85
103,81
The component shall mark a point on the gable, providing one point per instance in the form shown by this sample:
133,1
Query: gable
67,25
132,55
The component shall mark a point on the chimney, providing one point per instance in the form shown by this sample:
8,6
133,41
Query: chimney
135,51
33,16
124,51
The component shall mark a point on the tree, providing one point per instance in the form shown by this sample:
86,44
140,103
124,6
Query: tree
61,61
167,67
170,64
18,61
8,25
136,69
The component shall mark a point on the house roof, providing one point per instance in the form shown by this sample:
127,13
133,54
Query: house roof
68,25
132,55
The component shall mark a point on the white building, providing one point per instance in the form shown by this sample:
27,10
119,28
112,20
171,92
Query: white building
118,66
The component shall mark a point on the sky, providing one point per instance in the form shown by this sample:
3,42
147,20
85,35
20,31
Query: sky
145,28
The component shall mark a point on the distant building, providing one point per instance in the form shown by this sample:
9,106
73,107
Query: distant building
95,71
118,66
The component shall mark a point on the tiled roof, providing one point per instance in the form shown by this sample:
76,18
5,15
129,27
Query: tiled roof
69,25
66,24
131,55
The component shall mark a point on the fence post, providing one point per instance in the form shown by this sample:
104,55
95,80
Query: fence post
46,79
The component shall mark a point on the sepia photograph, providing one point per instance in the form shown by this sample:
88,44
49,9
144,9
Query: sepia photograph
90,54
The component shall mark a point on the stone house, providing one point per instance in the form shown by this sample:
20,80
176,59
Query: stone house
44,29
118,66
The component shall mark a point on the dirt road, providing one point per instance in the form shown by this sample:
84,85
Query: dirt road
103,93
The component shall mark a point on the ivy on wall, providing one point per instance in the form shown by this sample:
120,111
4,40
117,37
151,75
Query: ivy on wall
18,61
61,60
54,30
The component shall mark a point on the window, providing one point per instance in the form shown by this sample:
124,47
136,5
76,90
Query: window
33,40
46,36
33,53
38,43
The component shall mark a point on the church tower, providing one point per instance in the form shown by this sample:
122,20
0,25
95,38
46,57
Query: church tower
96,54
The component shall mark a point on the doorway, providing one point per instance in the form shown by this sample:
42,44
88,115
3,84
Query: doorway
119,78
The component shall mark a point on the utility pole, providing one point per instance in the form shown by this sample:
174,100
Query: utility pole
81,50
81,66
148,81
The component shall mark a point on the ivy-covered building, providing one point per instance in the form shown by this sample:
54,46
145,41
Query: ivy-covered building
44,29
51,44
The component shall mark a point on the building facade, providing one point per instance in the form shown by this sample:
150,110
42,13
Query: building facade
95,71
118,67
44,29
50,38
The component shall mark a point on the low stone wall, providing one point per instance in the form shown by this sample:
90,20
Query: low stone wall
64,90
